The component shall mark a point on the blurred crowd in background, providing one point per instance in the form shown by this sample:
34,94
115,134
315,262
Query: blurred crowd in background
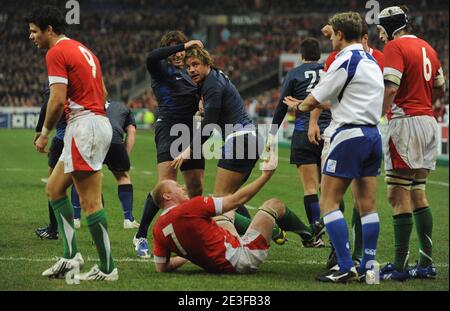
122,32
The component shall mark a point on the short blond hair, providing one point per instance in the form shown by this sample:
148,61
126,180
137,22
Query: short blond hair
158,192
200,53
349,23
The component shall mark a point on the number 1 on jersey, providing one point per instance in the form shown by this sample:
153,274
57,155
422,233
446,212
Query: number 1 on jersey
89,59
168,230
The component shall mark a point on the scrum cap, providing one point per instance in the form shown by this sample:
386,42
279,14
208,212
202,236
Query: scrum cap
392,20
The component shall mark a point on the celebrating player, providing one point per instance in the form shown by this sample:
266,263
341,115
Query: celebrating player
76,88
224,107
177,102
413,76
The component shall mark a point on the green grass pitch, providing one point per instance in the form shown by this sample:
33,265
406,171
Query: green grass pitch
290,267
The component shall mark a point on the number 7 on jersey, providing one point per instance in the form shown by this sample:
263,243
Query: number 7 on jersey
168,230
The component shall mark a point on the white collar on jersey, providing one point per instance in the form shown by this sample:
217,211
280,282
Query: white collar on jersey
356,46
63,38
168,209
408,36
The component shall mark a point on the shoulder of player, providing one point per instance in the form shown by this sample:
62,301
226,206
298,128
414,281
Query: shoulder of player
376,52
213,83
340,60
398,44
298,73
332,55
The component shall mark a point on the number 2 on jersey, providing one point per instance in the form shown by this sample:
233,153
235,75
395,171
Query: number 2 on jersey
168,230
89,59
313,75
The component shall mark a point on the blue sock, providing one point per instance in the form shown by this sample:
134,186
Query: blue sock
338,232
312,207
76,203
370,231
126,198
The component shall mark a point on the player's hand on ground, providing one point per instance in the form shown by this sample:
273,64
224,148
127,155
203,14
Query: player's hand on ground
36,136
327,31
178,161
193,43
292,102
41,143
314,134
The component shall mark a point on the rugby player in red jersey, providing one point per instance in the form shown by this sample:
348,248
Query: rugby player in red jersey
413,78
76,89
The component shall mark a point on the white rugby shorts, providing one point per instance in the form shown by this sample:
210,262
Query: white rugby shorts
250,254
86,143
411,143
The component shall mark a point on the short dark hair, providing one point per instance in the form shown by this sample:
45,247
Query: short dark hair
364,29
175,36
408,29
310,49
349,23
45,16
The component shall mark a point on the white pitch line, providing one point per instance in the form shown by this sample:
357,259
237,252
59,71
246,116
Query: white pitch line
130,259
433,182
12,169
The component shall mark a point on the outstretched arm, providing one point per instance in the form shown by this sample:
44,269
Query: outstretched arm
173,264
390,91
246,193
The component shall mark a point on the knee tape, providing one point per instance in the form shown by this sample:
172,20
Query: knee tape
269,210
223,218
393,181
419,184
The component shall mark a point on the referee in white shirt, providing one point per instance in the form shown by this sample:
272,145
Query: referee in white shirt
354,86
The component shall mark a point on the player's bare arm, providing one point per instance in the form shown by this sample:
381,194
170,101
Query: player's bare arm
439,85
390,91
105,90
55,109
246,193
314,129
193,43
306,105
131,138
173,264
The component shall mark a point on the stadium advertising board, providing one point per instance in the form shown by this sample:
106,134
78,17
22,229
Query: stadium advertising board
19,117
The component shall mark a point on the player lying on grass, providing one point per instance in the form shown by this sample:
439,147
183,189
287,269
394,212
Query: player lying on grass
186,227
